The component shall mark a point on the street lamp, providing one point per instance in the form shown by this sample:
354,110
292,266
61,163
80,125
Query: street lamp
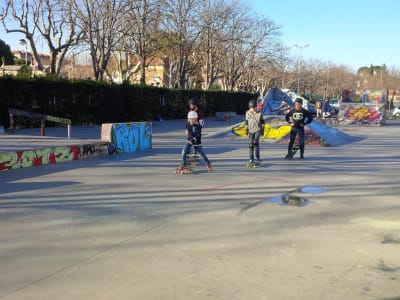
300,47
23,42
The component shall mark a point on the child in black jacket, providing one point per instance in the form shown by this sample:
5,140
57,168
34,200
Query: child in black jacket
193,134
298,117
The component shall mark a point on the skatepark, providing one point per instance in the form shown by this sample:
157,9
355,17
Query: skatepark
125,226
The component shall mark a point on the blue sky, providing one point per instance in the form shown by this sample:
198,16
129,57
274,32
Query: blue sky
354,33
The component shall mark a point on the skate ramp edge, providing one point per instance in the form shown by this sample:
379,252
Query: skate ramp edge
332,135
223,132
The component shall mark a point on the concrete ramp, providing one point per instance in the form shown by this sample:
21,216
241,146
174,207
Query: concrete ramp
276,102
317,133
333,136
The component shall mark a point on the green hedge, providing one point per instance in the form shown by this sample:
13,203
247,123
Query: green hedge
88,102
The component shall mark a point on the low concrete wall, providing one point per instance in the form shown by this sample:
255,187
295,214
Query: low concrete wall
51,155
227,116
128,137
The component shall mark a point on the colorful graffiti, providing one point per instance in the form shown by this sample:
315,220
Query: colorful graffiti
269,132
315,134
364,96
363,114
281,133
362,107
38,157
128,137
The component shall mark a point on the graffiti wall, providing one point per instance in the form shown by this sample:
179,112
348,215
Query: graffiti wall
38,157
276,128
362,107
128,137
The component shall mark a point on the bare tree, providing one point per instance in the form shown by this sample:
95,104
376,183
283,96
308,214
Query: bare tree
53,19
315,78
212,20
179,24
100,20
282,64
50,20
393,78
141,34
246,37
266,70
21,12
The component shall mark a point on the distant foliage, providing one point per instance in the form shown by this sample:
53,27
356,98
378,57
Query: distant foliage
5,52
87,102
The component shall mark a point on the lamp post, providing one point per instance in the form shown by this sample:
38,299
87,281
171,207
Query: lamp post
300,47
23,42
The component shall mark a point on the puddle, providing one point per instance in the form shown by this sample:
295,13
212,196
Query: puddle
294,200
388,239
288,199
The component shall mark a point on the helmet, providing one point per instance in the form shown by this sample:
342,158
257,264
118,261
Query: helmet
193,101
192,115
252,103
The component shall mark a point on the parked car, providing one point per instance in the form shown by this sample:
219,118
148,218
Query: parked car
396,112
335,104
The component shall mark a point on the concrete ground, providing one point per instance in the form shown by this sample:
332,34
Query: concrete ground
126,227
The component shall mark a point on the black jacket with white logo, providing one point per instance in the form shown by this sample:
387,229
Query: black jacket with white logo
298,117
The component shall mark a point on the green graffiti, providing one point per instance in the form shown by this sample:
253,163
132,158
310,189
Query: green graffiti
27,158
8,161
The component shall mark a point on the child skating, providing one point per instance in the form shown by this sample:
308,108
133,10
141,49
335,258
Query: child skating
193,139
254,125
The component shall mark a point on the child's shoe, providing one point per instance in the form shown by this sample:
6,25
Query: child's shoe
209,168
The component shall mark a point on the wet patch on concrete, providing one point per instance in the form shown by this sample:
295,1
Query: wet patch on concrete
389,239
385,268
289,198
295,200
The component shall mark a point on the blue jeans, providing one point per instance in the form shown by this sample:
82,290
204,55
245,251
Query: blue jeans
254,145
198,148
300,132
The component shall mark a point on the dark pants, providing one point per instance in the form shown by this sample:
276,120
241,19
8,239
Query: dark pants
300,132
198,148
254,145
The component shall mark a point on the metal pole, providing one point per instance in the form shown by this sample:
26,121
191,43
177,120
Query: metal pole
69,131
300,47
42,127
